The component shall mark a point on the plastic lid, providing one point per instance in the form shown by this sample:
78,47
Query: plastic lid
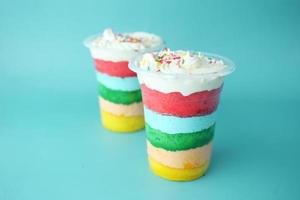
230,67
88,43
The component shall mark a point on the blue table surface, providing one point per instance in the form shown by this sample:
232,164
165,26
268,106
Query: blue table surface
52,145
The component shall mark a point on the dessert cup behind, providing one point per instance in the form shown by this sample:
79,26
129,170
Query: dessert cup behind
120,99
180,115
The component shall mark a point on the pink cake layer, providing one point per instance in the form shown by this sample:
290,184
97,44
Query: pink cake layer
174,103
119,69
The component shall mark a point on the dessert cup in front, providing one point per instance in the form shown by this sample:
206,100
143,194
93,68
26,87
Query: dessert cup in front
120,99
181,92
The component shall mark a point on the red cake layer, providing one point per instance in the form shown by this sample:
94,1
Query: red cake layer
119,69
174,103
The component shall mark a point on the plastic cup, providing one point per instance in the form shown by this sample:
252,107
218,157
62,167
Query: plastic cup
180,115
120,99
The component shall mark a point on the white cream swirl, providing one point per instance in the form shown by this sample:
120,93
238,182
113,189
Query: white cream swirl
137,41
180,62
117,47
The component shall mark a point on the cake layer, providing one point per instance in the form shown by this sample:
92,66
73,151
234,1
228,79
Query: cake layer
177,174
174,103
167,83
134,109
179,141
118,83
173,125
118,96
121,123
187,159
111,68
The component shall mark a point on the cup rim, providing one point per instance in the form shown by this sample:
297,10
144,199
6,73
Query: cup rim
133,63
87,43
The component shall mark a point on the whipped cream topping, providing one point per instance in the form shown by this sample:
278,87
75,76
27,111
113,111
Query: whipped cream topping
168,84
137,41
180,62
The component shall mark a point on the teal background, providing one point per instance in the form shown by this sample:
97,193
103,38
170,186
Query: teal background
52,145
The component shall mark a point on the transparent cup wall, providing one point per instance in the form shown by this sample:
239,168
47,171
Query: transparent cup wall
180,117
120,98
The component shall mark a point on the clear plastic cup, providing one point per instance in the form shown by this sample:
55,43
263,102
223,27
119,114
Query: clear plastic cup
120,100
180,116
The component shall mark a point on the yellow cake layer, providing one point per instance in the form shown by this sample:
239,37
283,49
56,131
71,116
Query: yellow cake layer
175,174
121,123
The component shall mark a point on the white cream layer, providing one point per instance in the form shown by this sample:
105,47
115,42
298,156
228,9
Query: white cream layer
167,84
115,55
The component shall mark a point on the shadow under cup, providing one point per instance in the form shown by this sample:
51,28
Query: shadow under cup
180,116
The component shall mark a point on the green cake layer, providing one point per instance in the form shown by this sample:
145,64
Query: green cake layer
118,96
179,141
